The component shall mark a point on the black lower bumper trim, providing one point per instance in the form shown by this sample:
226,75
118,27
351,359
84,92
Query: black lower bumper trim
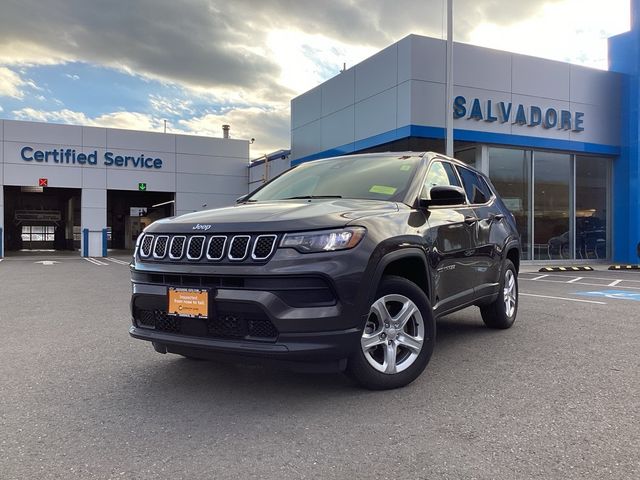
298,347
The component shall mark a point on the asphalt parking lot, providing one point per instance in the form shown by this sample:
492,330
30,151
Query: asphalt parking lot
556,396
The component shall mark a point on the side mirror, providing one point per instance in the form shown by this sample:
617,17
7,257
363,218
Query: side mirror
444,195
242,198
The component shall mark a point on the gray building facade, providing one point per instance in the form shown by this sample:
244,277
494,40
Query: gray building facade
546,132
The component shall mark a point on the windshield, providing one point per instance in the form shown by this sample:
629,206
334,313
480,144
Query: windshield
368,177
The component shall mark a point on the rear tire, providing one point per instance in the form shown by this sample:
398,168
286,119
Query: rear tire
397,339
502,312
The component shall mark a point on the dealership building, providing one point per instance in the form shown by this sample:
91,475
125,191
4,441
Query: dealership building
559,141
66,187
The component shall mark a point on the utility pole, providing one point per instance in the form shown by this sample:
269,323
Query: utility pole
449,90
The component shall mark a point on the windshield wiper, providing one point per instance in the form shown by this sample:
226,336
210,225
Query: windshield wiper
312,196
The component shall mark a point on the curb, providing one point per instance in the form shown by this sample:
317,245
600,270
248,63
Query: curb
566,269
624,267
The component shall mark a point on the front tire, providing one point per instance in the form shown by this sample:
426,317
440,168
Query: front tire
397,339
502,312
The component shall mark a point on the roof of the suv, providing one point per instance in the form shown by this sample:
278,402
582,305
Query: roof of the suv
426,155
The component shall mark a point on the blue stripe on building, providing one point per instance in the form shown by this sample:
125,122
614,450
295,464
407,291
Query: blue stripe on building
420,131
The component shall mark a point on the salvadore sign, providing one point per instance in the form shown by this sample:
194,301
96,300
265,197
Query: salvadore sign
517,114
69,156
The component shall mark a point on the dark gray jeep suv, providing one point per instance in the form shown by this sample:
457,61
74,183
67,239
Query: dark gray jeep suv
341,263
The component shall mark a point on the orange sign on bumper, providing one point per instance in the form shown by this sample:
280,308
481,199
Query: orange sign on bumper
188,302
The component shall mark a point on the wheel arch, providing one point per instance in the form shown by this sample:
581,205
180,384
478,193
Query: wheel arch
409,263
513,254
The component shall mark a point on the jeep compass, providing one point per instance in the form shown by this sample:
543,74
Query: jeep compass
343,263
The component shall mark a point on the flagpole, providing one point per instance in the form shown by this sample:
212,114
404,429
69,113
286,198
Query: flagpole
449,89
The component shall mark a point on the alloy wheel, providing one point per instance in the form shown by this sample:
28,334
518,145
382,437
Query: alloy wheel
393,335
510,293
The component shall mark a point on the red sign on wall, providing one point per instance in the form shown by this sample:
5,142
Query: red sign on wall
43,182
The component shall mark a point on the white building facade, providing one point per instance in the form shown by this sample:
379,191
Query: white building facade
70,187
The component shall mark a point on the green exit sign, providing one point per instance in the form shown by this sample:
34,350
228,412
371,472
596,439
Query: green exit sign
142,187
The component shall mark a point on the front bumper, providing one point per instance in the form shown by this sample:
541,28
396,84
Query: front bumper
290,318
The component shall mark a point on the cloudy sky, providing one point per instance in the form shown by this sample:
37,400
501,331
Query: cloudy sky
201,63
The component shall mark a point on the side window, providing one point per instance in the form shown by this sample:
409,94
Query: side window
475,187
487,187
440,174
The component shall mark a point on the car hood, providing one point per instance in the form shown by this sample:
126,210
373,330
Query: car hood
276,216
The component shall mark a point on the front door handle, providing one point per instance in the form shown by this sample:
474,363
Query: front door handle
470,220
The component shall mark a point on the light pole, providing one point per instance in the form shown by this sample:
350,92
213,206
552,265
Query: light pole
449,90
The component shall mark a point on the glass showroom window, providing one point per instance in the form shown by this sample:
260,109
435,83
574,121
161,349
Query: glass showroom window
510,173
467,155
563,213
592,214
551,192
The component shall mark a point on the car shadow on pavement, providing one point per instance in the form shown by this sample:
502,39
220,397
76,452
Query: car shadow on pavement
213,393
462,327
210,379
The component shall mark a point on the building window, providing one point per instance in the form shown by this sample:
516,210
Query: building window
591,217
551,206
38,233
510,173
559,202
467,156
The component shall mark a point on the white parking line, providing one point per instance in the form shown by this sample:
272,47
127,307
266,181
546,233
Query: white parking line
94,261
562,298
577,279
537,278
586,283
614,283
557,276
117,260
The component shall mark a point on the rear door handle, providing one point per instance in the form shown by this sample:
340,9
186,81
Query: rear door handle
497,217
470,220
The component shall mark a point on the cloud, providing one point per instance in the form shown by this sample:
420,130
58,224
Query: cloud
306,60
193,42
171,106
126,120
268,126
212,44
579,28
240,62
11,84
59,116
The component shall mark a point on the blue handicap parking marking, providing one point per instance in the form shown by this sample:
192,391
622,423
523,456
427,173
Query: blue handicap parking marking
614,294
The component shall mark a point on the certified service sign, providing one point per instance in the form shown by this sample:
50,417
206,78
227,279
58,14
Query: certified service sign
70,156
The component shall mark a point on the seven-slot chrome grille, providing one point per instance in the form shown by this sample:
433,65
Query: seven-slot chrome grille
208,248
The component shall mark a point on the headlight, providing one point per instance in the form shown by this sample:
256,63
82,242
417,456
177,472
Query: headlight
324,240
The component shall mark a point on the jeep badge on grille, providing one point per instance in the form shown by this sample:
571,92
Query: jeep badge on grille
199,226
